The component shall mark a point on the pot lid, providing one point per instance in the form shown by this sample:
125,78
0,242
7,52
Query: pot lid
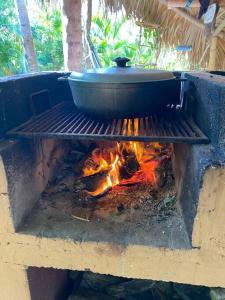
121,74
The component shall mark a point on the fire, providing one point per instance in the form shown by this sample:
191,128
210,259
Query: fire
126,163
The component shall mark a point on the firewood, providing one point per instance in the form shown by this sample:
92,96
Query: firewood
93,181
129,167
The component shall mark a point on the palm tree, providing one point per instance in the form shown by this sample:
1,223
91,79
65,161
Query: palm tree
72,34
27,36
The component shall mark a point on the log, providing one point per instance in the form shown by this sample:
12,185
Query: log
219,28
92,182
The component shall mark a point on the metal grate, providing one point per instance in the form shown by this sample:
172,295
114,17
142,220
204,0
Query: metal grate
64,121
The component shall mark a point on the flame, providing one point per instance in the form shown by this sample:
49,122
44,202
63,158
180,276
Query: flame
126,163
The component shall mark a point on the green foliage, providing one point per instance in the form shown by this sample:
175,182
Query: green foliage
119,37
47,35
112,37
11,48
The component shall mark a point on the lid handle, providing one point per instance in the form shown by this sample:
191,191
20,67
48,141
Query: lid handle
121,61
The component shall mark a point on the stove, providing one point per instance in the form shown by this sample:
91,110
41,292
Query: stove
116,185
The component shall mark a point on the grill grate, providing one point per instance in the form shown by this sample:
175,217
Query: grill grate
64,121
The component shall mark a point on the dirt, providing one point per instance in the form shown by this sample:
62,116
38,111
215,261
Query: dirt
134,214
68,193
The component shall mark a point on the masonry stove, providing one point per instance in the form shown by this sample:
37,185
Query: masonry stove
121,182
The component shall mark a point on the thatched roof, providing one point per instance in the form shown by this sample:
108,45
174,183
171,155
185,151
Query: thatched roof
177,27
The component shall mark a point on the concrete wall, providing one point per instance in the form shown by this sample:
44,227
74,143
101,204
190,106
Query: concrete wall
16,91
29,165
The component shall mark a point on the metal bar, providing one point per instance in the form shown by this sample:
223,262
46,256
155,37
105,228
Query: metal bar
41,120
113,127
59,123
39,117
74,122
89,127
194,126
100,129
85,126
107,129
188,130
132,127
163,139
80,126
64,121
93,131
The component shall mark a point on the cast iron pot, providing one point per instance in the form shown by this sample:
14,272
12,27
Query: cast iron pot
122,91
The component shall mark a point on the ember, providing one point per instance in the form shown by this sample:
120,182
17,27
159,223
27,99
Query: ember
127,163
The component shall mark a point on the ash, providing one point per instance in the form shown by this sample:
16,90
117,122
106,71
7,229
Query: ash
137,203
125,215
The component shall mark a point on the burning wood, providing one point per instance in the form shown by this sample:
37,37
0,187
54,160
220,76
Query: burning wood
127,163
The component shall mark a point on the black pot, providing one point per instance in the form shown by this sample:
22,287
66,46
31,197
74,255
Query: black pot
123,92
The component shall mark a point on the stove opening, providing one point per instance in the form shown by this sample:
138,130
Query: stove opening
121,192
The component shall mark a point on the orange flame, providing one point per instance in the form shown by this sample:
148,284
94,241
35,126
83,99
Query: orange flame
126,163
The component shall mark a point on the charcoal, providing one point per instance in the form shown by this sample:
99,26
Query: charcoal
85,294
93,181
76,277
129,168
190,292
129,288
120,207
99,282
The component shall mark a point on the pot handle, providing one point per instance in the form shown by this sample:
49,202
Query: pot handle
121,61
63,78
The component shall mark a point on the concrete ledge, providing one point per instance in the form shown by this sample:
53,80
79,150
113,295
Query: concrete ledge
204,265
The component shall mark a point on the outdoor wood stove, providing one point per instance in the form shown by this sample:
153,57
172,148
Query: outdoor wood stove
112,185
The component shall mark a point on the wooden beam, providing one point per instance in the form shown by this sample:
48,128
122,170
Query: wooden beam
213,54
182,3
219,28
194,4
183,14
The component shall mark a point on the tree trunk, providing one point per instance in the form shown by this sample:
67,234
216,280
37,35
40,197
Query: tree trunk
27,36
72,34
213,54
87,34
